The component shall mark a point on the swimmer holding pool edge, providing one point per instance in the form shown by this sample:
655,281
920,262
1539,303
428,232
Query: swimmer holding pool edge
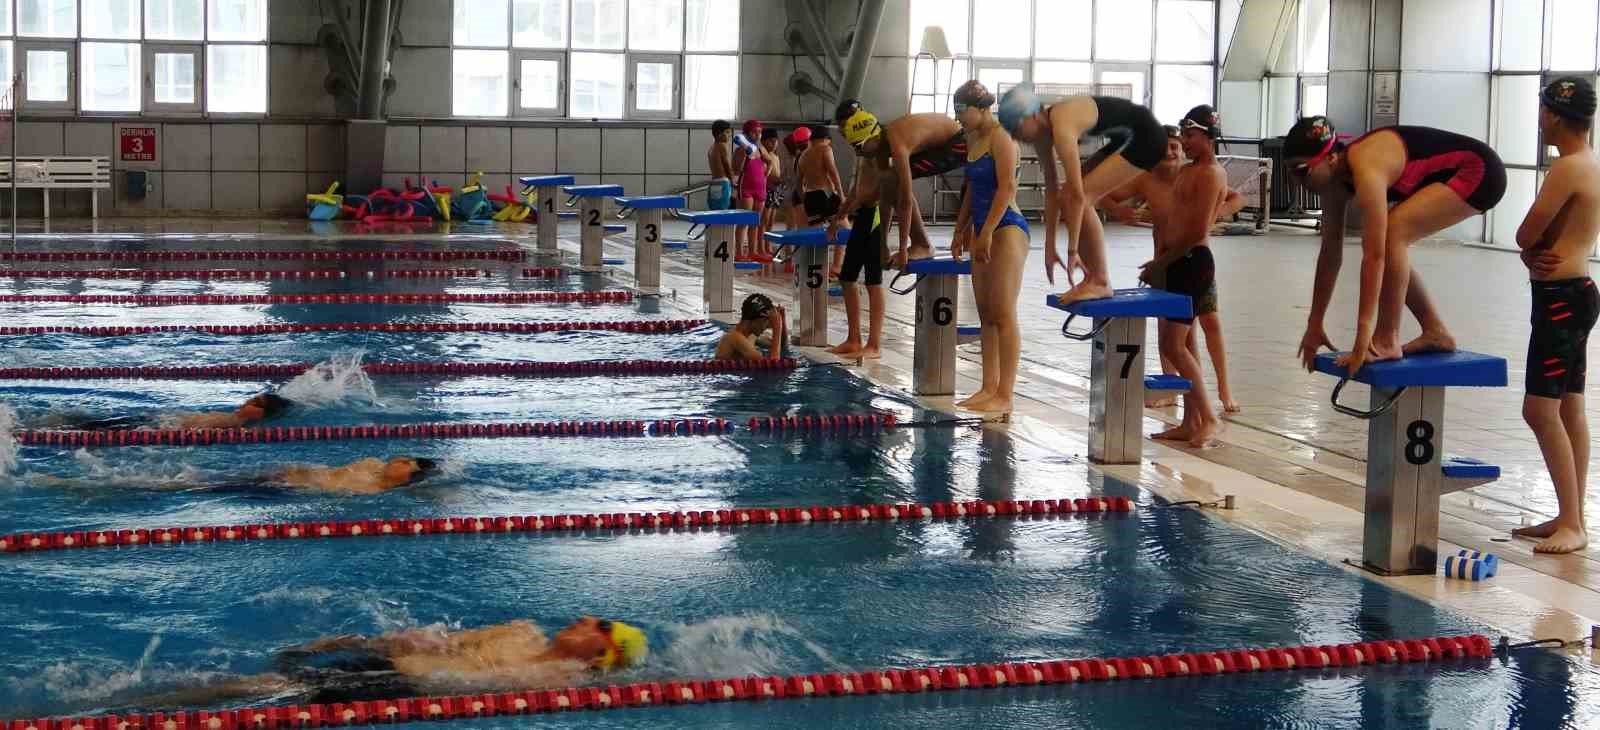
756,316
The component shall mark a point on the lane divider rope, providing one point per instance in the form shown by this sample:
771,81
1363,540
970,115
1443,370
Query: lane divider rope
658,326
558,369
237,274
947,678
499,255
157,300
544,272
660,522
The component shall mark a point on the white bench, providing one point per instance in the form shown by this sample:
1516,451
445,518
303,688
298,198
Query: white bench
60,173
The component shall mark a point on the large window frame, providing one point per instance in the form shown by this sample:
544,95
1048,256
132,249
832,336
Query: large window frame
562,54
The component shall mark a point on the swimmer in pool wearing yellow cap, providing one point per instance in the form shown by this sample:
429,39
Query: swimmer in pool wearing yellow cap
504,657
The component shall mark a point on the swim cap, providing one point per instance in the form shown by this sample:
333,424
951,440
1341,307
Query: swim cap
1172,132
756,306
801,135
860,127
270,404
1309,137
425,467
973,93
820,132
845,109
752,128
1203,117
1018,103
1570,97
629,646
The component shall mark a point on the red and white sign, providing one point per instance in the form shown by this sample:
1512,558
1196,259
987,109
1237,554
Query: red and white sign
138,144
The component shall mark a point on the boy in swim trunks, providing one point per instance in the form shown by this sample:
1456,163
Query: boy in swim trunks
863,251
821,191
1556,238
756,315
1184,265
719,156
912,147
777,190
430,661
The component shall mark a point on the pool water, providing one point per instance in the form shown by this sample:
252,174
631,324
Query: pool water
104,628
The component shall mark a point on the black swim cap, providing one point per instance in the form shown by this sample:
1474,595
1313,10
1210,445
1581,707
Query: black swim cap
974,93
1308,137
1203,117
425,468
820,133
1570,97
845,109
756,306
271,404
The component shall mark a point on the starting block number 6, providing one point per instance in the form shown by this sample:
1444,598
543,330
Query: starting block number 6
943,311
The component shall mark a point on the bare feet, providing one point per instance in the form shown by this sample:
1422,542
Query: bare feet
848,348
1537,532
1181,432
1430,342
1166,401
1084,292
1204,432
979,396
990,404
1564,540
915,253
869,353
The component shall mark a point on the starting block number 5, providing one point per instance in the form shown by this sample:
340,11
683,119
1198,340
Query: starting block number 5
814,279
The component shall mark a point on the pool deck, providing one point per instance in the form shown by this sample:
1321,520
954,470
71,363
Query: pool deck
1295,466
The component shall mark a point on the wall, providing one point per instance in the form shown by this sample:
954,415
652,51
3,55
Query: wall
267,165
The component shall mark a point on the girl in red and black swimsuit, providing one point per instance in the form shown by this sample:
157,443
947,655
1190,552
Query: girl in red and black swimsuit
1434,179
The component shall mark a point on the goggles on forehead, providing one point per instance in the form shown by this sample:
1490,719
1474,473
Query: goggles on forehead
1302,169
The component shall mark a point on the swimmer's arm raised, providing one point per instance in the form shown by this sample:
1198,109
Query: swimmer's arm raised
1553,196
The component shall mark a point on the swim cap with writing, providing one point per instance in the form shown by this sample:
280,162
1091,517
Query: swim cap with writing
629,646
1570,97
1308,137
860,127
1205,118
1018,103
974,93
756,306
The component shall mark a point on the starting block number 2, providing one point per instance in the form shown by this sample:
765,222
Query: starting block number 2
943,311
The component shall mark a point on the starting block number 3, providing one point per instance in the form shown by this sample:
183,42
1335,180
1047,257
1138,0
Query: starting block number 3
943,312
652,233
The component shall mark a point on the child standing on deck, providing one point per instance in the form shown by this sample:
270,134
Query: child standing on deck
719,156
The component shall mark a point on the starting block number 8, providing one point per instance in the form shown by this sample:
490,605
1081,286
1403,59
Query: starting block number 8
1419,443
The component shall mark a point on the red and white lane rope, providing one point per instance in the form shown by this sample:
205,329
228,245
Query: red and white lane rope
158,300
658,326
544,272
947,678
237,274
555,369
642,522
146,256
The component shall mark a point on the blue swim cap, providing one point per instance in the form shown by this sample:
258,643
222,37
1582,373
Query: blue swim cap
1017,104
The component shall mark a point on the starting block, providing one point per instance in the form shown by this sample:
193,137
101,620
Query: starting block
1407,468
1116,367
933,356
810,279
591,201
717,286
647,238
545,188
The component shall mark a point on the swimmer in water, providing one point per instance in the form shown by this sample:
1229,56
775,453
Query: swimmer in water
756,315
429,661
367,476
1433,179
263,407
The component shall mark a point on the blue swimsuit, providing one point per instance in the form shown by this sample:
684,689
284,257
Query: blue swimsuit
981,186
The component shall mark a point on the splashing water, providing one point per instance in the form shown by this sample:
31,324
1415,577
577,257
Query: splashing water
339,379
8,442
730,646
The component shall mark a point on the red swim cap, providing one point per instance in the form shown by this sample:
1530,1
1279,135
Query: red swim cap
752,128
803,134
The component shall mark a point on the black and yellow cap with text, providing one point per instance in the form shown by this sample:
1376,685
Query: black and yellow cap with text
1570,97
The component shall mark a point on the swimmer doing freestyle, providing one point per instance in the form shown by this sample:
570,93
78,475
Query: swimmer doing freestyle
1137,143
366,476
259,408
1433,179
429,661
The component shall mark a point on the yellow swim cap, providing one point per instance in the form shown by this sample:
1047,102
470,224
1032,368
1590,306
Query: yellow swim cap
860,127
628,646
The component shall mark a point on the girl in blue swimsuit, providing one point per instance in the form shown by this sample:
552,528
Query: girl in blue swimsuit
994,230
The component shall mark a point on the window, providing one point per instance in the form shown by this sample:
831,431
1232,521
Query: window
110,78
710,87
1520,23
479,23
952,15
994,31
598,24
655,25
481,83
47,18
711,25
236,79
1516,119
1179,88
539,23
1506,218
46,75
173,78
932,83
538,89
1133,79
1184,30
1060,29
1062,72
173,20
1571,34
653,82
597,91
1314,36
1313,96
1122,30
111,19
1001,76
236,20
5,17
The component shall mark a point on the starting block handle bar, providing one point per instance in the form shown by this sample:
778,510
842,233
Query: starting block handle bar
1385,407
695,232
906,290
1066,331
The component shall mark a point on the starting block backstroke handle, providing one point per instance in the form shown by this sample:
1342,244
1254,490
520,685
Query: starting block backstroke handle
1364,415
908,289
695,232
1086,336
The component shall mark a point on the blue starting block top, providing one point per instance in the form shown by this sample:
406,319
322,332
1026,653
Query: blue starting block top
613,262
748,265
835,291
652,202
937,266
547,180
1432,369
1167,382
722,217
1144,302
567,215
969,330
1461,467
615,227
593,191
808,237
674,245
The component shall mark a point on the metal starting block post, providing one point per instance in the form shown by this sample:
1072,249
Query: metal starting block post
933,355
1116,367
648,210
717,287
810,279
1407,468
545,189
591,222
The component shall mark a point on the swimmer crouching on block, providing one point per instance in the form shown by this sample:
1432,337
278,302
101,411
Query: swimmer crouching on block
756,315
262,407
418,662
